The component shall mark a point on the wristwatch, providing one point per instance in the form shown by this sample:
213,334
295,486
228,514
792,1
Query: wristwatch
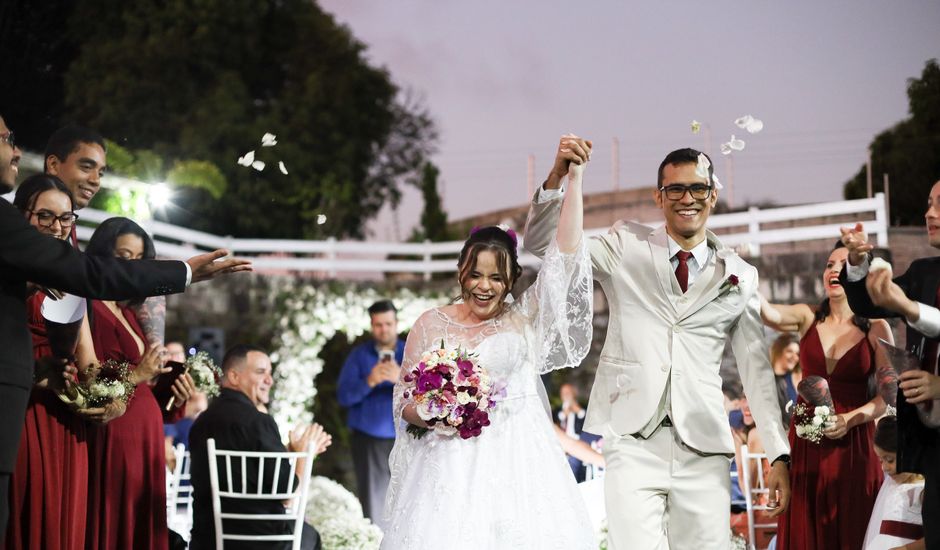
782,458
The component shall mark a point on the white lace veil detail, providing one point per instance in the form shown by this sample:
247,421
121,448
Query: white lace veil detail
559,306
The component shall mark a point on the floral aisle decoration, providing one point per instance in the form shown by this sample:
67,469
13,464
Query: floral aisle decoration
337,516
311,316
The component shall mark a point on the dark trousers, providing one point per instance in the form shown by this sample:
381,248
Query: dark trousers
4,505
931,509
370,460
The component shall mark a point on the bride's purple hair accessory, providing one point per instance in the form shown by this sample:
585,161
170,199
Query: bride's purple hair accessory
506,229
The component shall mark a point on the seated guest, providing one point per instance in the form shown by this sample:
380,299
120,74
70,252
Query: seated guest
234,421
896,518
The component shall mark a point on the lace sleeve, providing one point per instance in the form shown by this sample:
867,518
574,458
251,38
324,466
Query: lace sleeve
559,308
415,346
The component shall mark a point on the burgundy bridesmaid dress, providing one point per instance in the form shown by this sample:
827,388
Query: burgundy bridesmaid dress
836,481
49,488
127,477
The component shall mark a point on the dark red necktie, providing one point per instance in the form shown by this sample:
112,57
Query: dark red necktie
682,270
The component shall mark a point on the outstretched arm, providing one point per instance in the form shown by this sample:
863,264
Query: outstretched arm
786,318
544,213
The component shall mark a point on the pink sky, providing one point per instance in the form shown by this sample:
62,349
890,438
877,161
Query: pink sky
506,79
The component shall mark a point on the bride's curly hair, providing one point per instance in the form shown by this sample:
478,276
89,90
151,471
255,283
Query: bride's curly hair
500,243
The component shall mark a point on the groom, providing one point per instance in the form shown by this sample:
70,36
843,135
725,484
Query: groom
676,294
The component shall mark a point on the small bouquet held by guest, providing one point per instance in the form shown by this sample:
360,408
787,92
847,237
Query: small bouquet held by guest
817,413
205,373
452,393
109,381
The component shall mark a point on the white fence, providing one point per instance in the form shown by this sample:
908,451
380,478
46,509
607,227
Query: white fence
368,257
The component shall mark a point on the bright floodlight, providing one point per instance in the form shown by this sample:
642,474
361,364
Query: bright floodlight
159,195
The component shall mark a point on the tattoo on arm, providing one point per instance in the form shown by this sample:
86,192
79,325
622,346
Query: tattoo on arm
152,318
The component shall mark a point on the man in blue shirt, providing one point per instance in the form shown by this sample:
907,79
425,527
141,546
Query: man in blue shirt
365,388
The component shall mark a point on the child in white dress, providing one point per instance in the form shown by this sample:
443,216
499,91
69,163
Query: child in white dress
896,518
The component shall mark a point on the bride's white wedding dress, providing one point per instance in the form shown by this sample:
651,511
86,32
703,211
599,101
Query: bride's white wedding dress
511,487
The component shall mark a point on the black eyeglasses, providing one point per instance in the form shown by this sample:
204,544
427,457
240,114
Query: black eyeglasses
48,219
699,191
8,138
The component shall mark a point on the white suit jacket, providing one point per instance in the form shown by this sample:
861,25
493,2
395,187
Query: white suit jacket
656,333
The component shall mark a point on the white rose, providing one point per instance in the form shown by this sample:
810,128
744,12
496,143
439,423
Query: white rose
817,421
118,390
800,430
821,410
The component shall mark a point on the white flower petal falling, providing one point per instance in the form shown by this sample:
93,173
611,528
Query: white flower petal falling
321,219
258,165
701,169
749,123
281,167
696,126
247,159
725,148
736,144
268,140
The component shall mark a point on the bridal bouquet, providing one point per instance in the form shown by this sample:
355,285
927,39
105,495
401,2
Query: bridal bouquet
205,373
108,381
818,411
451,392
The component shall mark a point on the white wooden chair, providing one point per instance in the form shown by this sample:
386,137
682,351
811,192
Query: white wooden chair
296,495
752,490
179,494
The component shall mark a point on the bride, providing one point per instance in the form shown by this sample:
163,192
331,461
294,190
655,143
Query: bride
510,487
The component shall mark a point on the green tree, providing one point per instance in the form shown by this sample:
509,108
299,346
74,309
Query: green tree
909,152
433,218
205,79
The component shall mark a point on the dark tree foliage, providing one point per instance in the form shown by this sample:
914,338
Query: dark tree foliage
909,153
204,80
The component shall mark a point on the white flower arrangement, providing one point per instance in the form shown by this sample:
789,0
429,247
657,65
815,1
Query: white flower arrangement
738,542
337,516
205,373
811,426
312,315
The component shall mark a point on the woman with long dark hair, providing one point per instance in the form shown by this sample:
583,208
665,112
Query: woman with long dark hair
834,482
127,482
49,487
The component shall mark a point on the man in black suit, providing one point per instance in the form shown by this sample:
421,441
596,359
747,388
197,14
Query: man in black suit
914,296
234,421
27,255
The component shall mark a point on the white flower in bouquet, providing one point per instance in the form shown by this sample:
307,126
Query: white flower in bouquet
205,373
822,411
348,533
818,420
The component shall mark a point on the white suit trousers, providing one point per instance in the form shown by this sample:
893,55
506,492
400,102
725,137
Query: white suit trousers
661,495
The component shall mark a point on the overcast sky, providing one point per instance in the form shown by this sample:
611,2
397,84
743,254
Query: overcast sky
504,79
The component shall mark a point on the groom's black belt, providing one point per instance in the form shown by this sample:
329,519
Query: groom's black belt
666,422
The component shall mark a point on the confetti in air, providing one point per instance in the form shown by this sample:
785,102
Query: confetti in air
696,126
321,219
247,159
282,168
749,123
258,165
734,145
268,140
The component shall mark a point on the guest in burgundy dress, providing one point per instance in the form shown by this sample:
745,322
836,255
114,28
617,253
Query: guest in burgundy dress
127,482
48,489
835,481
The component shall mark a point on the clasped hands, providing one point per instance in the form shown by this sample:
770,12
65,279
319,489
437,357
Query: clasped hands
313,434
572,151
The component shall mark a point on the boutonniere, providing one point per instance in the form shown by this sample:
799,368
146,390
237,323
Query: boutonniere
731,284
